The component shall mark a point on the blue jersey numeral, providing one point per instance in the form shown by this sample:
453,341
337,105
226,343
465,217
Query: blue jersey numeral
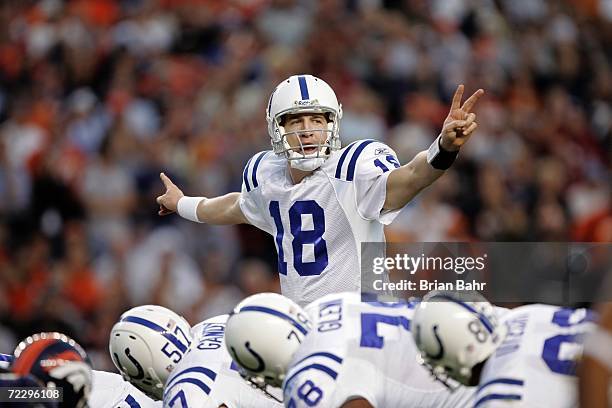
552,345
369,328
390,160
302,237
181,397
310,393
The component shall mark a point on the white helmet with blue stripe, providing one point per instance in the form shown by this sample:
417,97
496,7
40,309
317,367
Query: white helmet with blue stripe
303,94
146,344
263,333
455,333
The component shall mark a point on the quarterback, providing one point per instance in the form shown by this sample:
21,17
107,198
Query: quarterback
320,201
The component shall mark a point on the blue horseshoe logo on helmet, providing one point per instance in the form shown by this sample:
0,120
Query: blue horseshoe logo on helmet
260,363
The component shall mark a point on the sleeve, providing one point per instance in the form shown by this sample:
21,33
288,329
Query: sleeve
251,200
373,165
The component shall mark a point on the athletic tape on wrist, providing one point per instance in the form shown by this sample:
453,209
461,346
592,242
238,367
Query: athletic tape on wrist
187,208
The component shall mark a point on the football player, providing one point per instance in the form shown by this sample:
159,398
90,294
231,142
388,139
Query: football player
110,390
56,361
320,201
158,352
527,359
338,352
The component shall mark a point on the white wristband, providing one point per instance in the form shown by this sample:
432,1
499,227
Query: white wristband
187,208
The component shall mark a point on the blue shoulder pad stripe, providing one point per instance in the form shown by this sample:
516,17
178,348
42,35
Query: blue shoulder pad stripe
193,381
244,175
321,354
506,381
255,166
131,401
319,367
203,370
490,397
350,174
342,158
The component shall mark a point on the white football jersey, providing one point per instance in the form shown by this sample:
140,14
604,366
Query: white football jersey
206,376
535,365
363,350
320,223
110,390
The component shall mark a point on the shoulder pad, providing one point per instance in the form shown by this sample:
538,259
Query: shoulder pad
256,167
350,155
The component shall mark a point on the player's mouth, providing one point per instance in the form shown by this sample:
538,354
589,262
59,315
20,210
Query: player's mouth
310,149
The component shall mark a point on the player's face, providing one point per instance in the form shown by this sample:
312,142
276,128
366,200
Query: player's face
311,131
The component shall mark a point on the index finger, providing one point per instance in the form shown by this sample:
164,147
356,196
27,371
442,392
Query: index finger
457,97
167,182
469,103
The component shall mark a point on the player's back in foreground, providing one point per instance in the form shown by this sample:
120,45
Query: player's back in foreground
344,350
110,390
163,356
528,359
358,349
205,377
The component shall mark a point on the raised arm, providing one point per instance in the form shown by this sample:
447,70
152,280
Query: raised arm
220,210
405,182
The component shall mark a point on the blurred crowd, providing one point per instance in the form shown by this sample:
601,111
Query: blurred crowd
98,97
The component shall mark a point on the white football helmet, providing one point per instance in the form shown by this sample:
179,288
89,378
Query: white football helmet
454,335
303,94
146,344
263,333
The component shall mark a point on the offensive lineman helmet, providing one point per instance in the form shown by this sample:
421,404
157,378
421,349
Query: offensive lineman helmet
146,344
455,335
263,333
303,94
56,361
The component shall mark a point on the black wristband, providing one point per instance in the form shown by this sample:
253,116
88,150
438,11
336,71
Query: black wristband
438,157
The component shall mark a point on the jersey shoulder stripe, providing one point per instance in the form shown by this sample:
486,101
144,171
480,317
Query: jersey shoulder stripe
131,401
203,370
316,366
353,150
345,153
320,354
490,397
350,173
499,389
507,381
249,174
188,380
